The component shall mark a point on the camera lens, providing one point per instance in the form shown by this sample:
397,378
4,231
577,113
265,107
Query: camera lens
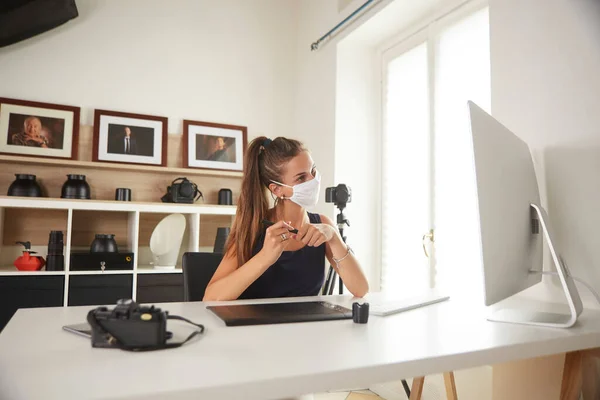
186,189
55,243
55,261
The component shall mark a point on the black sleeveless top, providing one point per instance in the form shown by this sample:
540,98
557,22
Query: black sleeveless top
296,273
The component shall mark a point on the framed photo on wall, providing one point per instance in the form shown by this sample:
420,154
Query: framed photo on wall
214,146
37,129
130,138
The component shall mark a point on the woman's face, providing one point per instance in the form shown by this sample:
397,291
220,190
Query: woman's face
299,169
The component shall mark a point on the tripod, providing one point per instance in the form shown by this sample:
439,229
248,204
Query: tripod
331,274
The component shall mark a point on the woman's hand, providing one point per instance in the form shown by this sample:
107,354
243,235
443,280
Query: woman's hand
315,235
276,240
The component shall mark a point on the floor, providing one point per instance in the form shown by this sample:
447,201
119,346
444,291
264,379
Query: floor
354,395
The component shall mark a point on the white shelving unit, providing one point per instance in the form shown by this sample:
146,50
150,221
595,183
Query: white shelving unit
133,211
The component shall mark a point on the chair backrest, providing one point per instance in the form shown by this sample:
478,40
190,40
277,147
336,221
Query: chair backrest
198,269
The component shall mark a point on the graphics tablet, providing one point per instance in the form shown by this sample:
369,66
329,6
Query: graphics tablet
279,313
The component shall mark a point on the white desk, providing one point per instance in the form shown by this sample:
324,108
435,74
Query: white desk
39,360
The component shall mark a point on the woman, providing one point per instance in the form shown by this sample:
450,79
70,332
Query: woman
268,262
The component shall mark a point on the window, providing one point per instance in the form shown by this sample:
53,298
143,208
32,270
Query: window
428,182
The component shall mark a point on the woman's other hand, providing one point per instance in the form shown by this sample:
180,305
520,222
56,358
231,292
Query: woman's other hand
315,235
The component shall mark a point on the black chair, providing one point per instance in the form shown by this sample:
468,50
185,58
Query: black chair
198,269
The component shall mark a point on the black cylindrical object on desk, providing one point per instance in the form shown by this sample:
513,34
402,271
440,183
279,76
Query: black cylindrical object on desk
55,261
360,312
225,197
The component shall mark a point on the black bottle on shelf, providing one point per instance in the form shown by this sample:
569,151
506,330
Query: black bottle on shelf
56,259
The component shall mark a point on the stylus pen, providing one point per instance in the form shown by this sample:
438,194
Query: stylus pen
268,223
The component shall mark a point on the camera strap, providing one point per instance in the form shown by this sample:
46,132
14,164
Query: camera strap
190,337
91,318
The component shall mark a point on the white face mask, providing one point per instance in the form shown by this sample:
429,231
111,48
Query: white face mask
306,194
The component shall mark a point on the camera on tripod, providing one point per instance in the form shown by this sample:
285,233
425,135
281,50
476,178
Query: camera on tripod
339,195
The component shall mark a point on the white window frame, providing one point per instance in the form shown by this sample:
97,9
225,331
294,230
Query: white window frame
426,30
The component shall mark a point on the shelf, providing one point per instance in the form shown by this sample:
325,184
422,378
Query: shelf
118,166
149,269
107,272
112,205
11,270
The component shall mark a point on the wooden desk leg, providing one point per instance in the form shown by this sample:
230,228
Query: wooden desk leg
417,388
590,374
450,386
571,382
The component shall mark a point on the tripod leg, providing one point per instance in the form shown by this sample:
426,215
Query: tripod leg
332,286
406,388
327,281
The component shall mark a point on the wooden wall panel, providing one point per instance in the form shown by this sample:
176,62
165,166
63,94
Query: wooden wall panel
209,225
86,224
32,225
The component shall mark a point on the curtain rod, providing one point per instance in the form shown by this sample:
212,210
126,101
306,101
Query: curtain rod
315,45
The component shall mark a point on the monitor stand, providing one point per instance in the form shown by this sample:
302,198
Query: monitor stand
554,320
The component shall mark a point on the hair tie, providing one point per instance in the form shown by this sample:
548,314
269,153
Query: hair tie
266,142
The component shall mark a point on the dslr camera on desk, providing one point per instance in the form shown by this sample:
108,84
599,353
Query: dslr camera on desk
182,190
128,324
133,327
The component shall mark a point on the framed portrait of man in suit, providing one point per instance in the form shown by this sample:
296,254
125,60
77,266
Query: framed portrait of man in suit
130,138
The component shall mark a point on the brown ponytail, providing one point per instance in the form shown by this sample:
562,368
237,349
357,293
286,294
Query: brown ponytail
264,162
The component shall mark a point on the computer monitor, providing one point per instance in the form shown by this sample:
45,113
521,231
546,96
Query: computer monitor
512,222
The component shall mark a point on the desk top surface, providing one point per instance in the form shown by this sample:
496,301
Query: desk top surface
40,360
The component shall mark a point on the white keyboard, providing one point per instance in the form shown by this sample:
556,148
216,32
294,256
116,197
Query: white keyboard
387,307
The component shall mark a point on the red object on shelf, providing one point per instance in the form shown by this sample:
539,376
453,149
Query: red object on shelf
27,262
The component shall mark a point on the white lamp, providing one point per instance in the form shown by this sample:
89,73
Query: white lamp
166,240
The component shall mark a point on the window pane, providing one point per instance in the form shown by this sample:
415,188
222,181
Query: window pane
405,181
462,73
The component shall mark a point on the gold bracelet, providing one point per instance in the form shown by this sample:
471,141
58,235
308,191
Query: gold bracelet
337,262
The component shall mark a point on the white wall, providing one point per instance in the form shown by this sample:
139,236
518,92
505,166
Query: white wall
330,118
357,161
229,61
546,88
315,89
